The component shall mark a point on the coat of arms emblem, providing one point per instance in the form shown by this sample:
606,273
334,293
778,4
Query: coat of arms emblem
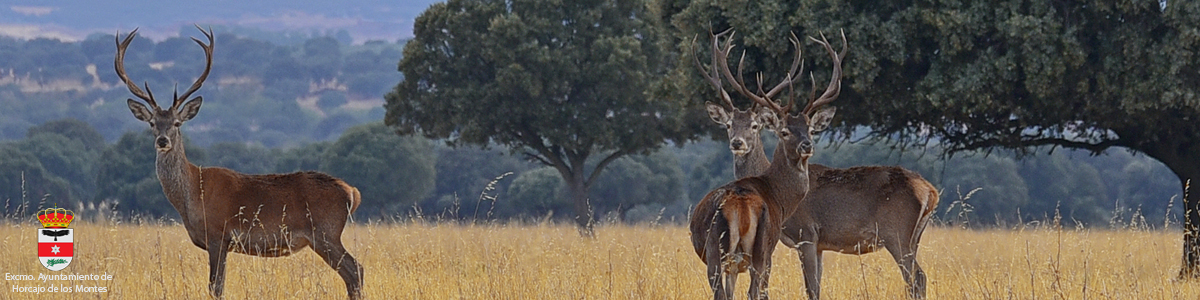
55,241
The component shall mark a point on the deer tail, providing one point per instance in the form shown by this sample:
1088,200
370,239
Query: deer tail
353,195
355,199
928,196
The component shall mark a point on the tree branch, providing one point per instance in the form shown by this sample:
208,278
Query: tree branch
603,163
548,156
961,143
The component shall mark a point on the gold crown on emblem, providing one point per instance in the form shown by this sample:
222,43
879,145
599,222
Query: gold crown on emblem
55,217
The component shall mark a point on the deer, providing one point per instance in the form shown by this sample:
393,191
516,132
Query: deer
852,211
735,227
271,215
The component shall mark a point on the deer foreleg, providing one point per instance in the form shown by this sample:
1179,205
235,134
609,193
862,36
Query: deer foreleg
810,259
217,251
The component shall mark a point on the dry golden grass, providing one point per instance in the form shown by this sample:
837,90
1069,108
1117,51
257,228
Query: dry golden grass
422,261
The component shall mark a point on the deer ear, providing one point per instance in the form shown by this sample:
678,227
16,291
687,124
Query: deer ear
768,118
820,121
190,109
717,113
139,111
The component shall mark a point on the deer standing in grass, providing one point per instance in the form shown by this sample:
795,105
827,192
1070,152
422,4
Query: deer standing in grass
735,227
269,215
852,211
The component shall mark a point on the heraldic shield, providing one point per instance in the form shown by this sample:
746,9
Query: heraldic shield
56,245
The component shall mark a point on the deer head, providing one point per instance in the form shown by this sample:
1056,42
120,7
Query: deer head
794,130
742,126
165,123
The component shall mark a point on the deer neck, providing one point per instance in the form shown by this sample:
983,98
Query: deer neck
789,178
179,178
752,163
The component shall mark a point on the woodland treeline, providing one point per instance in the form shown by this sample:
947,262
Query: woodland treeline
68,163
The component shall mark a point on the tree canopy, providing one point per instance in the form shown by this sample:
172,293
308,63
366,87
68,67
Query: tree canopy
558,81
996,74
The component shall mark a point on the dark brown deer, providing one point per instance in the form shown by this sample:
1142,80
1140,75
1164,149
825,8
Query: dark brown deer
851,211
735,227
263,215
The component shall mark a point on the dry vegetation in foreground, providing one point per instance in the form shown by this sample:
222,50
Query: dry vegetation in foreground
547,261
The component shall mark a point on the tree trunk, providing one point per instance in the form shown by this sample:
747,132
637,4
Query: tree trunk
1179,157
584,214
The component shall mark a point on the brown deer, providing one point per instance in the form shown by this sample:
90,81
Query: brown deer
857,210
851,211
269,215
735,227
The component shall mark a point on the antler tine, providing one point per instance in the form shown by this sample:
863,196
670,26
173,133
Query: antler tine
119,65
794,71
208,57
835,79
713,78
739,84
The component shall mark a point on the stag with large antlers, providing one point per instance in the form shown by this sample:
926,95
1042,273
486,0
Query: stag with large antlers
853,211
735,227
222,210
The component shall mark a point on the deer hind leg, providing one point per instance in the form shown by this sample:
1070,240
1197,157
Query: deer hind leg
335,255
217,252
762,246
714,258
906,259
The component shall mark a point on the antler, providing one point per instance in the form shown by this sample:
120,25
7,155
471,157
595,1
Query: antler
119,64
208,58
765,98
711,74
835,80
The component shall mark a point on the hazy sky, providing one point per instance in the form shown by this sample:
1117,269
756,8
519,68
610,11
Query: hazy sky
75,19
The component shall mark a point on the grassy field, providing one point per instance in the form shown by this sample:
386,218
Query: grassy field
441,261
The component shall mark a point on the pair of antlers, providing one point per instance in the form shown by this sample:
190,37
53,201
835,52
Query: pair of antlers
720,61
147,95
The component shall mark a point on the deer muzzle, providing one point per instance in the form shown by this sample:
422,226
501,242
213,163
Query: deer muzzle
738,147
806,148
162,144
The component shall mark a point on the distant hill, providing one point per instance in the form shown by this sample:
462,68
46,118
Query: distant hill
73,20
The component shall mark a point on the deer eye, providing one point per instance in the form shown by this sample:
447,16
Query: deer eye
754,126
785,133
151,124
178,123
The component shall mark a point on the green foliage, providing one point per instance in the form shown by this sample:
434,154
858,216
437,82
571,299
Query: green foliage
462,175
73,129
25,183
64,159
638,181
303,158
538,192
560,81
391,171
249,159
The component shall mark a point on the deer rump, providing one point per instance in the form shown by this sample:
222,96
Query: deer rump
729,218
319,208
